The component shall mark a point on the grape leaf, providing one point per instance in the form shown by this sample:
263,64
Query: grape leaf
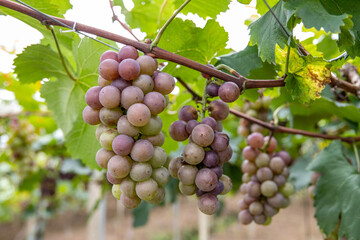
37,62
313,14
244,1
346,36
204,8
141,214
51,7
261,6
337,192
266,32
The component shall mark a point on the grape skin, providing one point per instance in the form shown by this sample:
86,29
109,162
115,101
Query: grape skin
119,166
110,116
157,140
229,92
155,101
128,202
193,154
110,54
187,174
208,204
127,52
219,110
256,140
144,82
178,131
108,69
130,96
122,144
142,151
187,113
203,135
161,176
129,69
103,156
92,97
127,187
206,180
147,64
164,83
125,127
187,190
174,166
91,116
138,114
140,171
146,190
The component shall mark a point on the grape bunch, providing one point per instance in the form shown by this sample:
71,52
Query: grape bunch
265,185
199,169
258,109
126,104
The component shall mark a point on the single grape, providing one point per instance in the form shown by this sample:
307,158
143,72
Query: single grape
107,137
203,135
212,90
159,196
187,190
276,201
144,82
190,125
127,187
164,83
211,159
120,84
256,140
217,170
187,174
226,155
155,101
277,165
129,69
269,188
153,127
116,192
110,54
161,176
127,52
113,180
130,96
140,171
248,167
242,205
108,69
138,114
264,174
103,82
256,208
147,64
248,199
253,189
193,154
159,157
242,131
245,217
260,219
272,145
229,92
219,110
245,178
146,190
287,190
122,144
157,140
262,160
243,188
187,113
206,180
249,153
220,142
92,97
218,189
174,166
110,116
103,156
286,172
178,131
142,151
284,156
119,166
125,127
91,116
227,184
280,180
130,203
269,211
208,204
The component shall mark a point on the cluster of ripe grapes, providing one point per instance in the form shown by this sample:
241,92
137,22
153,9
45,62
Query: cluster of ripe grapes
126,104
199,169
258,109
314,178
265,185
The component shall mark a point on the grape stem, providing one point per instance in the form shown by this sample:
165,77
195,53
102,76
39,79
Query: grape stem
161,53
229,69
275,128
162,30
356,157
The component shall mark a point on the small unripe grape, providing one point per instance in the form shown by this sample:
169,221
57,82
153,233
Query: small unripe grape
190,125
193,154
103,82
92,97
229,92
277,165
287,190
109,54
116,192
178,131
187,190
144,82
226,155
220,142
119,166
256,208
129,69
159,196
268,188
113,180
107,138
146,190
120,84
109,97
164,83
130,203
208,204
138,114
248,167
103,156
127,187
157,140
155,101
203,135
211,159
249,153
159,157
153,127
245,217
264,174
276,201
108,69
91,116
187,174
147,64
130,96
253,189
206,180
140,171
127,52
262,160
212,90
110,116
99,130
161,176
187,113
174,166
142,151
272,145
255,140
219,110
125,127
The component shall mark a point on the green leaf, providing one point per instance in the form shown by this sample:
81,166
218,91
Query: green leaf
37,62
204,8
266,32
82,144
244,1
346,37
337,192
313,14
51,7
141,214
261,6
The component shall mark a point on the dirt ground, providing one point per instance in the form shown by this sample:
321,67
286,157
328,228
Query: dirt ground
293,223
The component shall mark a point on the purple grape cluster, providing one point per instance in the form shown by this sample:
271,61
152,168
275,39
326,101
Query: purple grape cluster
199,169
126,104
265,175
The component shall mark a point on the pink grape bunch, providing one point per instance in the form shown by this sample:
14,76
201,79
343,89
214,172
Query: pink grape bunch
126,104
199,169
265,175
